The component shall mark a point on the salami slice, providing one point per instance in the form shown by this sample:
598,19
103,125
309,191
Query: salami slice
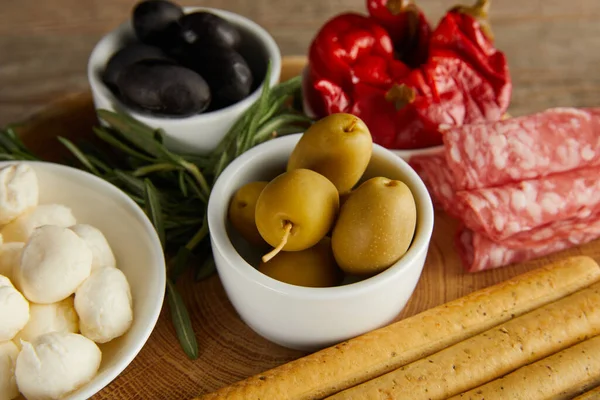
528,147
503,211
479,253
433,170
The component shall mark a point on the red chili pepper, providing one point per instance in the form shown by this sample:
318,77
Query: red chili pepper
464,80
407,25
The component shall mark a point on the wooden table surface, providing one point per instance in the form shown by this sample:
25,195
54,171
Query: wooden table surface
552,46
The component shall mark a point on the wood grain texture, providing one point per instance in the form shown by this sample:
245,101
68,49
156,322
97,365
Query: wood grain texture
551,44
229,349
44,46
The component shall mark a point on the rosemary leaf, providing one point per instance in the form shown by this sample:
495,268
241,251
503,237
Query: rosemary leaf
153,210
194,186
8,143
261,109
99,163
266,131
199,236
134,184
180,263
182,322
200,161
274,107
221,164
182,184
5,156
180,234
79,155
148,169
113,141
138,134
288,87
197,174
12,135
207,268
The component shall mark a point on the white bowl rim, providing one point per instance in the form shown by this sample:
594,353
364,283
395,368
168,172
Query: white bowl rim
100,381
95,60
234,260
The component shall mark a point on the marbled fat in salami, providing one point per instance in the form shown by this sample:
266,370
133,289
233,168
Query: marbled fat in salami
433,170
503,211
529,147
479,253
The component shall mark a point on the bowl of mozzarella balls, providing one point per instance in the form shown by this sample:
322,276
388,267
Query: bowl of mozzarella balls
82,281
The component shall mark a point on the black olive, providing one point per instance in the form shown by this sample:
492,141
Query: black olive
164,89
156,22
125,57
225,70
208,29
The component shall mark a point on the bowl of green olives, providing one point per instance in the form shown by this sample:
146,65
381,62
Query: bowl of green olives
319,237
191,71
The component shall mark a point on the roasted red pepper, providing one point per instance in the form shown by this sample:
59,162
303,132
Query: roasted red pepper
346,42
408,28
463,80
349,49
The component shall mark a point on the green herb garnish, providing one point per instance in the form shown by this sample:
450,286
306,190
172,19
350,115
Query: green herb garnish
173,188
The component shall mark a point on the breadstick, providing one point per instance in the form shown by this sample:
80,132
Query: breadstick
375,353
593,394
491,354
558,377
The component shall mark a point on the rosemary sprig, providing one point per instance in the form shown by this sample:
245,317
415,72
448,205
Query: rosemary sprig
174,188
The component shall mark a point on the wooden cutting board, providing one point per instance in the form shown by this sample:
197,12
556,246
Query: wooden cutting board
230,350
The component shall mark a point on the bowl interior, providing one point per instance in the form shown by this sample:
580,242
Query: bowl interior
257,48
136,248
269,160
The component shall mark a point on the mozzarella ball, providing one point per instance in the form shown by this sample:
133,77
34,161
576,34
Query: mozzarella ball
101,251
19,191
54,263
21,228
10,257
8,359
56,364
46,318
103,303
14,310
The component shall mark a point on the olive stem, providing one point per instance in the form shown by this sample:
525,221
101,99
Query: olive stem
352,125
287,229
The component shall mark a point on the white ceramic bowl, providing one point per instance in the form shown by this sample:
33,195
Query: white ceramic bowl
136,247
310,318
201,133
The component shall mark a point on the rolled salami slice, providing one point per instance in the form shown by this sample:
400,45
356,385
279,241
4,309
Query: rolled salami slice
478,252
503,211
528,147
434,172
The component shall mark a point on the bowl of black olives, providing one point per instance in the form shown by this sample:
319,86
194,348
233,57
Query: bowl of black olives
191,71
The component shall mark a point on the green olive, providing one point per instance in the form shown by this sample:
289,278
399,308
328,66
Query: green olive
296,210
338,147
241,211
375,227
313,267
